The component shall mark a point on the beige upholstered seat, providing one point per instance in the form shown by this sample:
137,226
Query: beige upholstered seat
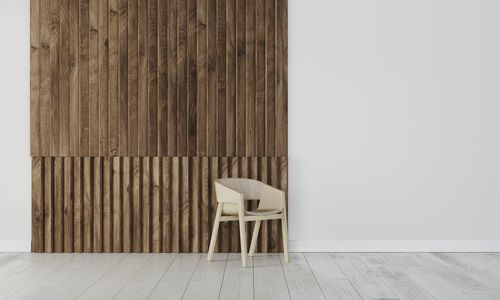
231,192
262,212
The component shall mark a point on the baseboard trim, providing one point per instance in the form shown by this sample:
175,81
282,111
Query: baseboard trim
15,246
395,246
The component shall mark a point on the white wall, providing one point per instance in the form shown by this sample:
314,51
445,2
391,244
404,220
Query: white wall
394,124
403,98
15,164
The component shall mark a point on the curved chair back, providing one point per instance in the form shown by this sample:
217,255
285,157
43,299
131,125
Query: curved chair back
250,188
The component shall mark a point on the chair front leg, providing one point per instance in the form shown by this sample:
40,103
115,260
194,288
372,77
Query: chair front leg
215,230
255,235
243,239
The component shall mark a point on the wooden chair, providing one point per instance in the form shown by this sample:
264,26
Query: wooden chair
231,193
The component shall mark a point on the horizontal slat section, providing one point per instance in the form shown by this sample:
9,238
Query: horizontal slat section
147,204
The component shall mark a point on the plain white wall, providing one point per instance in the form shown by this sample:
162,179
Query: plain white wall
394,125
15,163
393,119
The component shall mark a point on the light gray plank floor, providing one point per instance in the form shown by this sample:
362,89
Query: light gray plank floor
268,276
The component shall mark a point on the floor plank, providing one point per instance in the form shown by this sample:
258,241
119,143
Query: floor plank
238,281
396,279
424,276
146,279
111,282
18,274
174,282
71,279
334,284
269,280
364,279
300,279
207,278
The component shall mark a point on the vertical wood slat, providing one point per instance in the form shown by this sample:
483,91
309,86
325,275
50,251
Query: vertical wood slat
182,78
77,206
176,205
172,78
162,78
68,204
146,205
153,76
48,220
282,78
58,204
240,77
191,85
231,77
103,79
35,77
166,205
123,120
185,207
74,47
64,75
155,206
260,77
37,214
221,76
201,84
142,84
250,77
107,206
136,198
54,76
132,76
94,78
113,77
211,138
45,78
84,77
125,189
87,205
97,204
117,206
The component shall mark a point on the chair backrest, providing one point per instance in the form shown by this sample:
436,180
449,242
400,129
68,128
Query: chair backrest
250,188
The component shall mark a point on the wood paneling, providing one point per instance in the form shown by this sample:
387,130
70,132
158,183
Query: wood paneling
148,204
158,78
137,106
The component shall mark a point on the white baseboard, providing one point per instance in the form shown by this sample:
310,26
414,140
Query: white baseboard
15,246
394,246
345,246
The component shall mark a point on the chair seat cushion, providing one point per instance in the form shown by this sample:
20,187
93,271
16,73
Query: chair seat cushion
262,212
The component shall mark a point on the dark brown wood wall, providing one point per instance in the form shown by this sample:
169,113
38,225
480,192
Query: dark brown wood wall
132,98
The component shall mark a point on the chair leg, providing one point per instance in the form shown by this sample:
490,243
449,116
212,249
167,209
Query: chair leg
255,235
243,240
284,228
215,230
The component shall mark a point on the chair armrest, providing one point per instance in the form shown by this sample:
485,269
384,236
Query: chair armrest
272,198
227,195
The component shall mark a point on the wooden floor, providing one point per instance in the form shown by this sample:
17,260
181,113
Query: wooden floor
307,276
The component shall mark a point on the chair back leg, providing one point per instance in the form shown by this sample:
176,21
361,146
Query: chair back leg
284,228
255,235
215,230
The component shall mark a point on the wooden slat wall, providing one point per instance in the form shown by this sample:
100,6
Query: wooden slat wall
148,204
137,106
158,78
